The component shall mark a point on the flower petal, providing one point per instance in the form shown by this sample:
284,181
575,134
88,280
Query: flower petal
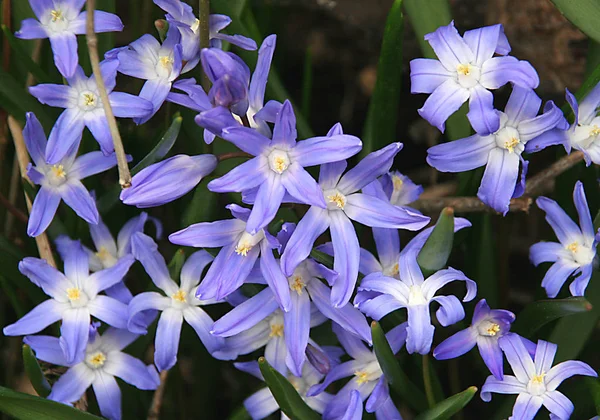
268,199
325,149
166,344
258,83
261,404
143,302
483,117
456,345
445,100
109,311
508,385
419,331
209,234
450,311
499,179
498,71
201,322
585,218
43,210
426,75
248,175
72,384
566,230
64,47
296,324
346,251
193,268
371,211
556,276
519,359
523,104
145,250
79,199
246,315
275,279
65,135
108,395
484,41
301,185
558,404
131,370
546,252
449,47
492,355
461,155
565,370
246,139
44,314
74,333
526,406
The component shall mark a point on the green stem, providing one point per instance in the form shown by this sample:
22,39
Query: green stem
427,381
203,16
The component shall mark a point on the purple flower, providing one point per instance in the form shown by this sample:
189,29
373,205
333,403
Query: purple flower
379,295
102,361
83,108
279,166
535,380
158,64
368,378
303,287
168,180
500,151
465,71
575,252
75,298
399,189
61,180
486,328
583,134
344,204
262,404
239,253
61,20
178,304
181,15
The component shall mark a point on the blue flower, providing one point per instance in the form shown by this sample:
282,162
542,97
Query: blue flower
368,379
158,64
165,181
279,166
398,188
60,181
576,250
487,327
465,71
535,380
102,360
83,108
344,204
379,295
178,304
181,15
500,151
61,20
262,404
75,298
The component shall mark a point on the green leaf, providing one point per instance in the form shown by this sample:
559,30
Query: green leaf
394,374
19,100
240,414
23,55
34,372
537,314
584,14
593,384
434,254
380,126
450,406
176,264
288,399
27,407
322,258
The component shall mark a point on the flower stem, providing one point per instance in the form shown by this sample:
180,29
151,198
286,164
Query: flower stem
427,381
154,412
203,16
92,44
233,155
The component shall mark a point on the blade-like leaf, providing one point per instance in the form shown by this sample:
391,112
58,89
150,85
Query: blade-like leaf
593,384
438,246
537,314
322,258
20,101
584,14
450,406
288,399
34,372
394,374
22,54
380,126
27,407
176,264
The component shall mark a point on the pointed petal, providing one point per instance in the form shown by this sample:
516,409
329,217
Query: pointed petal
276,352
519,359
256,92
461,155
346,251
523,104
44,314
71,385
201,322
74,333
193,268
526,406
166,343
445,100
297,327
492,355
46,348
565,370
275,279
508,385
300,185
498,71
246,315
268,199
449,47
585,218
484,41
145,250
247,139
261,404
483,117
43,210
542,252
209,234
327,149
499,179
79,199
566,230
92,163
65,135
131,370
371,211
284,131
426,75
108,395
64,47
61,96
144,302
108,277
456,345
248,175
109,311
420,331
558,404
556,276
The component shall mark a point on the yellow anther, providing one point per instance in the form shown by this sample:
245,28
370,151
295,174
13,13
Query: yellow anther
56,15
294,381
493,329
276,330
243,249
280,164
59,171
538,379
361,377
594,131
511,144
89,99
338,199
73,293
297,284
97,359
179,296
573,247
195,26
166,61
398,183
395,269
464,69
102,253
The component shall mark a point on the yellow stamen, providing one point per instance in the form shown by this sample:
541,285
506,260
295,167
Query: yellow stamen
276,330
73,293
538,379
179,296
338,199
398,183
573,247
594,131
511,144
166,61
89,99
56,15
59,171
243,249
102,253
97,360
493,329
280,164
361,377
464,69
297,285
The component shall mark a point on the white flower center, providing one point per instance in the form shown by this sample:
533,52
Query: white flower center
195,26
88,100
370,372
585,135
488,328
391,271
247,242
164,67
276,324
77,297
416,296
96,360
582,254
56,21
279,161
468,75
537,385
508,138
335,200
106,258
56,175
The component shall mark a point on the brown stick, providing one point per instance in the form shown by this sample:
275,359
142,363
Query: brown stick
203,17
536,184
233,155
42,242
92,43
154,412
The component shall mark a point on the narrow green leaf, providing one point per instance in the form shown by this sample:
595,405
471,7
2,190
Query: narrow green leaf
450,406
537,314
20,100
436,251
380,126
27,407
322,258
288,399
34,372
240,414
9,292
593,384
176,264
394,374
23,55
584,14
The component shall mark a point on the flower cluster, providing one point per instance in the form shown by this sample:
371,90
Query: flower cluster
278,288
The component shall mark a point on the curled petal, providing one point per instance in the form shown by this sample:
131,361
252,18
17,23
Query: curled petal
445,100
456,345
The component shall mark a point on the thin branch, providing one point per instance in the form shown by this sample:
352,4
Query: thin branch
233,155
13,210
203,17
92,43
42,242
154,412
536,184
